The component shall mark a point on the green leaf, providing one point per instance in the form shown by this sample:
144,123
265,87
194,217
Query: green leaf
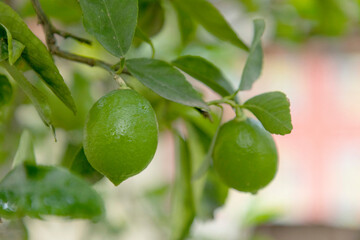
182,209
273,111
143,37
254,62
206,72
5,90
211,19
36,54
34,191
111,22
25,151
15,48
82,167
165,80
186,24
37,97
151,16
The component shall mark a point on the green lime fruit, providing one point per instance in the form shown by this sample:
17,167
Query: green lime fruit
121,135
245,155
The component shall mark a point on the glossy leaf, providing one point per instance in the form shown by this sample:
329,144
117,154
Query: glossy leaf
143,37
25,151
5,90
34,191
151,16
36,96
36,54
165,80
273,111
82,167
254,62
211,19
187,26
182,210
111,22
206,72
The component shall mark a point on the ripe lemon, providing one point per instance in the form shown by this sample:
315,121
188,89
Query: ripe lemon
245,155
120,135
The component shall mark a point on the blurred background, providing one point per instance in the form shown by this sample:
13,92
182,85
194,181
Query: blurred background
312,53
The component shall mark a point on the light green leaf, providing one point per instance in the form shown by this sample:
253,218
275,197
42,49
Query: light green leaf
36,54
206,72
187,26
143,37
15,48
34,191
211,19
25,151
254,62
37,97
5,90
273,111
165,80
82,167
182,208
111,22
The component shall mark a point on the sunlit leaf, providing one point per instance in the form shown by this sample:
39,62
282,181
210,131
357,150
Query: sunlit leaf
111,22
273,111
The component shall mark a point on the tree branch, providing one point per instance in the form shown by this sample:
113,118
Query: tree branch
50,31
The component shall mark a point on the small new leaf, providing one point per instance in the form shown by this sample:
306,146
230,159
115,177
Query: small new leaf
206,72
34,191
211,19
273,111
165,80
111,22
36,54
254,62
25,151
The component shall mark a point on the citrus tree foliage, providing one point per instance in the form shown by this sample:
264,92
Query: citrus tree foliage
116,138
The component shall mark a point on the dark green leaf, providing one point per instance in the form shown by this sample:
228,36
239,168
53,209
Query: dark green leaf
273,111
151,16
165,80
206,72
4,54
37,97
214,195
34,191
111,22
186,24
254,62
143,37
211,19
183,210
82,167
36,54
25,151
5,90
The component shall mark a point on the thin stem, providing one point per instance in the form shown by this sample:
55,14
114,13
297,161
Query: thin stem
223,100
66,35
50,31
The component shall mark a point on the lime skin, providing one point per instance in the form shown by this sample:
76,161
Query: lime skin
120,135
245,155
